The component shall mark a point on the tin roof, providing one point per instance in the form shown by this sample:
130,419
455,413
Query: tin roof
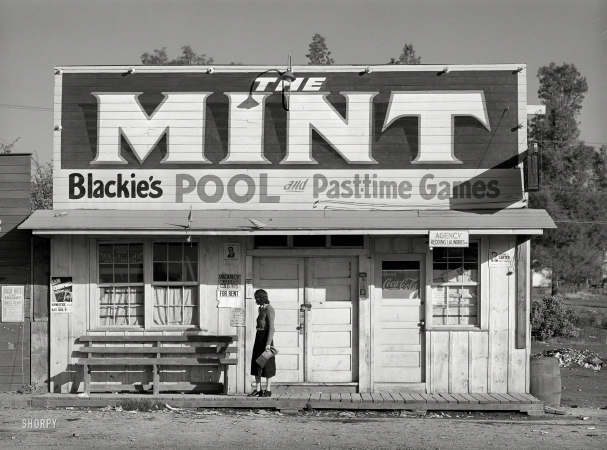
175,222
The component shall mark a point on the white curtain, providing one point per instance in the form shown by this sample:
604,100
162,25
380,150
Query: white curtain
175,305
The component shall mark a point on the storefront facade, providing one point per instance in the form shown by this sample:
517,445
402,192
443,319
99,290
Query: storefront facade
381,208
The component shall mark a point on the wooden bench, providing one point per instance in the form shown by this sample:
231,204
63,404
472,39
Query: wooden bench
198,351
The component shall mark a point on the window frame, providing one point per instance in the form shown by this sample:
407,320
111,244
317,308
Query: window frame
481,284
148,287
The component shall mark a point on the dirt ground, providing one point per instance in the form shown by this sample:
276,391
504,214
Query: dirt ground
582,387
230,429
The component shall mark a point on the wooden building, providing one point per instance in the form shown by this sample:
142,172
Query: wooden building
381,207
24,283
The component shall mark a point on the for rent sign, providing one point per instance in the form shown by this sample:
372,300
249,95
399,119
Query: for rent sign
237,138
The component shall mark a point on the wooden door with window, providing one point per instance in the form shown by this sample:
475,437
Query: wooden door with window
399,321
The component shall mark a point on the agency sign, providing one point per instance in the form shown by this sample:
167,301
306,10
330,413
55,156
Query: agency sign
392,138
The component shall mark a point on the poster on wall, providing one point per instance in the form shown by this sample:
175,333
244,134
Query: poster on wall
62,292
497,258
13,298
229,292
231,254
237,317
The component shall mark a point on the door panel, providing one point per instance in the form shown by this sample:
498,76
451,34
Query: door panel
283,279
399,309
320,291
331,349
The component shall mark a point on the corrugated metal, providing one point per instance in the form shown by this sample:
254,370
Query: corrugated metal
524,221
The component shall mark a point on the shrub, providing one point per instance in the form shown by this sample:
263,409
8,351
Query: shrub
139,404
550,318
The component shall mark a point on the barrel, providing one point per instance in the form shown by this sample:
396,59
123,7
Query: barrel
546,380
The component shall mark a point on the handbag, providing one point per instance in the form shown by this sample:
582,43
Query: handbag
266,356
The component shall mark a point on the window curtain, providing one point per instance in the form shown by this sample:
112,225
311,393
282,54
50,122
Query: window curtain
175,305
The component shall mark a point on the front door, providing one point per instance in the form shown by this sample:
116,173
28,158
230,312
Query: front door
315,305
399,327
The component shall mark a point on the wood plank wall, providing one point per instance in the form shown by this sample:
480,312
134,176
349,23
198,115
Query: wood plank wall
15,257
71,256
481,360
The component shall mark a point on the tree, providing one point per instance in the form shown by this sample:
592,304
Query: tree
41,196
574,182
407,56
319,52
5,147
187,58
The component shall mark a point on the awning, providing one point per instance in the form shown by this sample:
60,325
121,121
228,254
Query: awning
103,222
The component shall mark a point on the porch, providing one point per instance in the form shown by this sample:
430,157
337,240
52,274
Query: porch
289,401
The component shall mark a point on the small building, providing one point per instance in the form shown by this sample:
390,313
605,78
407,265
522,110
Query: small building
23,282
382,208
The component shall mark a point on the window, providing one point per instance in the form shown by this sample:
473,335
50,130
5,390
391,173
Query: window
455,285
171,283
121,299
175,283
310,241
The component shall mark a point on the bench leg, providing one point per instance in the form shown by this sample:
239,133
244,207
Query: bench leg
87,379
156,380
225,379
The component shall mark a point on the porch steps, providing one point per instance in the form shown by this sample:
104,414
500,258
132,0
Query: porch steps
298,401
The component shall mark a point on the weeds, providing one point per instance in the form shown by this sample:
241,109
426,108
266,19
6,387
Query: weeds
140,404
550,318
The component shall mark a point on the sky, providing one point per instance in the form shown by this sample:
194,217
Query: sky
38,35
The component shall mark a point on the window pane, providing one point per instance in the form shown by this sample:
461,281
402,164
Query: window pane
270,241
106,254
176,251
160,271
160,252
106,273
190,252
175,272
136,273
175,305
347,240
190,272
121,306
121,273
309,241
121,253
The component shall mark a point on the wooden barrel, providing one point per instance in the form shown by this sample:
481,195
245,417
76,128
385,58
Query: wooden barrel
546,380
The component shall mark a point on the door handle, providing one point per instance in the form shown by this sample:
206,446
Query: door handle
305,306
422,324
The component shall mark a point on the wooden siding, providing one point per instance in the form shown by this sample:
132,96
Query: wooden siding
485,359
71,256
482,153
15,257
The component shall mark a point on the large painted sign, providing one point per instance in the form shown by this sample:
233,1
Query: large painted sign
166,138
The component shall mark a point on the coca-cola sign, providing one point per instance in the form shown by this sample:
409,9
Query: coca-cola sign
400,283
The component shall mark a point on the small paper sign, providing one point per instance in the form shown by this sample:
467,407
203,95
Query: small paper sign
229,291
62,291
231,254
13,298
446,238
237,317
499,259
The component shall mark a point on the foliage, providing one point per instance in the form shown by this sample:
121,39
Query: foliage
42,185
574,182
139,404
8,148
319,52
550,318
187,58
407,56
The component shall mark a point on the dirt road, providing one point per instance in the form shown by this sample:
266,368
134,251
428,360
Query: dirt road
80,429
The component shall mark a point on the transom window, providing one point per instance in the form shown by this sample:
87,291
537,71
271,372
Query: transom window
455,285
